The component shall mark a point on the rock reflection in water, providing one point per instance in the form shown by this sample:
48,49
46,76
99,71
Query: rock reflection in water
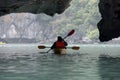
109,67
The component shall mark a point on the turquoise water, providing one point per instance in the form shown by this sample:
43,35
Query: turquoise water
91,62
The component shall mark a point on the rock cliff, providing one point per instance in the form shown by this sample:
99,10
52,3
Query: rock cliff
49,7
110,12
109,26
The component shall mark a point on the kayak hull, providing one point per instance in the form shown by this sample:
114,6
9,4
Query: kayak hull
59,51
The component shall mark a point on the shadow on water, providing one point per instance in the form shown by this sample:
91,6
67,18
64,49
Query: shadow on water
109,67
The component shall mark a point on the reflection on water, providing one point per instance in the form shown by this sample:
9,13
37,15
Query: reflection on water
109,67
91,62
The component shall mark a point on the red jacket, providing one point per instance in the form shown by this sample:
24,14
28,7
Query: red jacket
60,44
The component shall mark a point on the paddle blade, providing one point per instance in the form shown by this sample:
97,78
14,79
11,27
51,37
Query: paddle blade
71,32
41,47
75,48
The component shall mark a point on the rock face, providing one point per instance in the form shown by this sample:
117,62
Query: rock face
109,26
49,7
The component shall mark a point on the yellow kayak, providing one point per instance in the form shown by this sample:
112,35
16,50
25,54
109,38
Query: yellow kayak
59,51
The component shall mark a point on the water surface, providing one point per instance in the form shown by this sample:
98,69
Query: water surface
91,62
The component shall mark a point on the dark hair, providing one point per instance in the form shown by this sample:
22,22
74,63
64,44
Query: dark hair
60,38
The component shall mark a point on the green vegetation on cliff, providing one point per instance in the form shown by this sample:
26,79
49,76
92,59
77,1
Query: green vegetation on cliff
82,15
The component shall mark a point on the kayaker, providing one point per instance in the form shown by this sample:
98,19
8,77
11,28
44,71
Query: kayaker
60,43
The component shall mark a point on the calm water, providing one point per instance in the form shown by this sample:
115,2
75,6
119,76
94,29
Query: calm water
91,62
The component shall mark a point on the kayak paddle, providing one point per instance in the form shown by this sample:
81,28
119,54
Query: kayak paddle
70,33
74,47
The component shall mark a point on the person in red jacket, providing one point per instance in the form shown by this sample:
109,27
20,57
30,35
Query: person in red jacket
60,43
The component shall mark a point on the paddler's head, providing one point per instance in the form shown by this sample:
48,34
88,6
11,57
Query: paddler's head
60,38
